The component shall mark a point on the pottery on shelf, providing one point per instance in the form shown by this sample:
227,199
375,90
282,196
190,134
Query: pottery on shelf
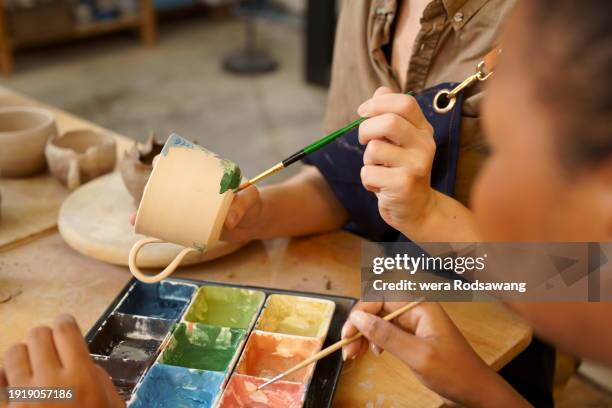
78,156
137,164
24,131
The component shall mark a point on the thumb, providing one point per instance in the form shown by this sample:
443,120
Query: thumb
388,336
241,204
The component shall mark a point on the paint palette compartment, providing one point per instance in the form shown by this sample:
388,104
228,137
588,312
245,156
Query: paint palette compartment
204,347
125,374
170,386
267,354
194,343
127,337
296,315
164,300
242,392
225,306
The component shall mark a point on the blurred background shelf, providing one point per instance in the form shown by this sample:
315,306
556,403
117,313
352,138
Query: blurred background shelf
54,21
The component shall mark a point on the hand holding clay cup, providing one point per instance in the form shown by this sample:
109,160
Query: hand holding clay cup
79,156
24,131
185,201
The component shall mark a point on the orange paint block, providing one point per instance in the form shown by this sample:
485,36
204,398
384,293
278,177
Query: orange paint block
241,391
267,355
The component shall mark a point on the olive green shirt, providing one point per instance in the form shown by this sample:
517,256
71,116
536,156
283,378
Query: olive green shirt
454,37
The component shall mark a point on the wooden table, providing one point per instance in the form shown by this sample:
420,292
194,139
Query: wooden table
52,278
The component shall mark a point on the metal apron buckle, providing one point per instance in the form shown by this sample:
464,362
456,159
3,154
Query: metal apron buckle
445,99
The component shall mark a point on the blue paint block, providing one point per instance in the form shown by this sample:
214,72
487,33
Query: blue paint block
178,387
165,300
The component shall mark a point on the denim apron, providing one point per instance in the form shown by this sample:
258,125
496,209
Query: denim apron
341,161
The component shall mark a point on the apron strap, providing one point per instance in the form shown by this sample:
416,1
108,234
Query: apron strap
490,60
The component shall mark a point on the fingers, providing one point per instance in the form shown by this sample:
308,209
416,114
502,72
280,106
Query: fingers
133,219
405,106
360,346
112,396
243,201
385,154
389,126
375,349
375,178
356,348
3,380
383,90
17,365
69,342
41,350
387,336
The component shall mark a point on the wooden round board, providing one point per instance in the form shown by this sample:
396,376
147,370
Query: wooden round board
94,220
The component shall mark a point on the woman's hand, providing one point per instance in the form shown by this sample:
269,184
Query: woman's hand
428,342
398,157
244,220
58,358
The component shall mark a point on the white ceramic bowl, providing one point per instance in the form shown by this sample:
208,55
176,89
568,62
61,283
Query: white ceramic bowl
24,131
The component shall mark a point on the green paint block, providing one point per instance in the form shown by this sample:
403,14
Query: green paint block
224,306
202,347
231,176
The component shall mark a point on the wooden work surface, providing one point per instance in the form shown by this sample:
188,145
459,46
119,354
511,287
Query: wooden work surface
47,277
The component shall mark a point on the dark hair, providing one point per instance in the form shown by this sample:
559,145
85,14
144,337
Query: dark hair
571,57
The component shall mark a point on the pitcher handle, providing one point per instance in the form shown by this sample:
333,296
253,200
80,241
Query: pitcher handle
163,274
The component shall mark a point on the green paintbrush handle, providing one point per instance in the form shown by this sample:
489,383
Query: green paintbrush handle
313,147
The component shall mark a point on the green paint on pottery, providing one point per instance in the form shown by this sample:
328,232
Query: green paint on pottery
231,176
225,306
201,346
231,172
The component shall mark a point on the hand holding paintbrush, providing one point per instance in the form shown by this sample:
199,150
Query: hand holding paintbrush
337,346
300,154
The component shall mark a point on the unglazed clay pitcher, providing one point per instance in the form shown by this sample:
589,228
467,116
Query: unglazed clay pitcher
78,156
185,201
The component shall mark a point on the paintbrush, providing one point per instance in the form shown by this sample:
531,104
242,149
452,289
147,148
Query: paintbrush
300,154
337,346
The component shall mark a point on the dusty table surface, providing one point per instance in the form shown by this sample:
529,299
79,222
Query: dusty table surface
46,277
